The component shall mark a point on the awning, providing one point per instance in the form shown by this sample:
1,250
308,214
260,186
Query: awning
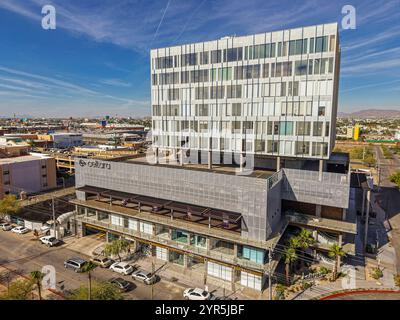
159,204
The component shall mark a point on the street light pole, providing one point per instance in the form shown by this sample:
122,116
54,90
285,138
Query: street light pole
269,273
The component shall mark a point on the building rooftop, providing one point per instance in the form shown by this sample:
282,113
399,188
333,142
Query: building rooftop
216,168
31,157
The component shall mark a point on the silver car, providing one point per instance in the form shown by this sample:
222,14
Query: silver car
6,226
146,277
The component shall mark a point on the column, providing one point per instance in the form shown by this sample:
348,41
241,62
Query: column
321,169
363,203
156,156
340,242
318,209
367,219
210,156
233,279
278,163
181,157
205,272
185,261
241,162
315,235
235,250
344,214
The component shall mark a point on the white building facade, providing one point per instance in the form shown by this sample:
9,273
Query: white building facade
272,94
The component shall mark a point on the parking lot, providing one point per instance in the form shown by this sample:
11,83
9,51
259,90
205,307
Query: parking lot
24,253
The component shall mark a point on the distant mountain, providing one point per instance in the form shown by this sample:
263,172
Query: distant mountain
371,113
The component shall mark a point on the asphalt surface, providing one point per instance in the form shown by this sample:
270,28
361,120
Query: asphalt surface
25,254
389,197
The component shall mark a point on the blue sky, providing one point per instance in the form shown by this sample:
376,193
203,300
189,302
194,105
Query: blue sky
96,62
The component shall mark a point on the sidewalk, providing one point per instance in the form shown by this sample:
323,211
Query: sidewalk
191,278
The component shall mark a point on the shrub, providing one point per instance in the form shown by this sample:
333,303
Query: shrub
324,270
377,273
280,292
397,280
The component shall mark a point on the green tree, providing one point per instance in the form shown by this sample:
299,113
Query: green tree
19,290
290,256
335,252
37,278
9,205
395,178
116,248
305,240
88,268
370,161
100,291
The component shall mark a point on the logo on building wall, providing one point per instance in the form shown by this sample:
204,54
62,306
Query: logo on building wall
95,164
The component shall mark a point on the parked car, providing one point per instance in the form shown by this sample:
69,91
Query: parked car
122,267
49,241
6,226
103,262
146,277
196,294
75,263
20,230
122,284
46,226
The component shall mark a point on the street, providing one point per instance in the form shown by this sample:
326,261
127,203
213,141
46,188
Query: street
25,254
389,198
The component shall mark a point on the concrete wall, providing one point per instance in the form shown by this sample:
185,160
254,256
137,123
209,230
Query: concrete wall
245,195
304,186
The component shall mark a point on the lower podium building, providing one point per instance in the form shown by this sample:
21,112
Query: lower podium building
230,227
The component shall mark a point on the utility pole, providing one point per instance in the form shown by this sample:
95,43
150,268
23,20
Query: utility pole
366,220
54,216
152,283
269,273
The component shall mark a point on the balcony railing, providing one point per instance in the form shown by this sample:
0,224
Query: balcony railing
213,254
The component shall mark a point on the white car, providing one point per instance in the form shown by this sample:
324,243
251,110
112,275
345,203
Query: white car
20,230
196,294
122,267
49,241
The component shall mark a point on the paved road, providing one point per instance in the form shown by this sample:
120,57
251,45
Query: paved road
389,198
23,253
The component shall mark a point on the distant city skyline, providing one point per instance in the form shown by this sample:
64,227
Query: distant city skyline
96,62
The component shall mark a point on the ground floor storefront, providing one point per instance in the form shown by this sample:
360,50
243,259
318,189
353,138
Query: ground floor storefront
231,276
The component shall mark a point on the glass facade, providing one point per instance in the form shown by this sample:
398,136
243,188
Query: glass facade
267,77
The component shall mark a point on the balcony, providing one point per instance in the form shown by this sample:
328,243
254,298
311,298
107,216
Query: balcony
329,189
163,239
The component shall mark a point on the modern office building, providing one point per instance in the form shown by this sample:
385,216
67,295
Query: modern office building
269,94
212,221
272,95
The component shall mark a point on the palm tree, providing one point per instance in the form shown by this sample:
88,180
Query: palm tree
88,268
305,240
336,251
290,256
37,278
